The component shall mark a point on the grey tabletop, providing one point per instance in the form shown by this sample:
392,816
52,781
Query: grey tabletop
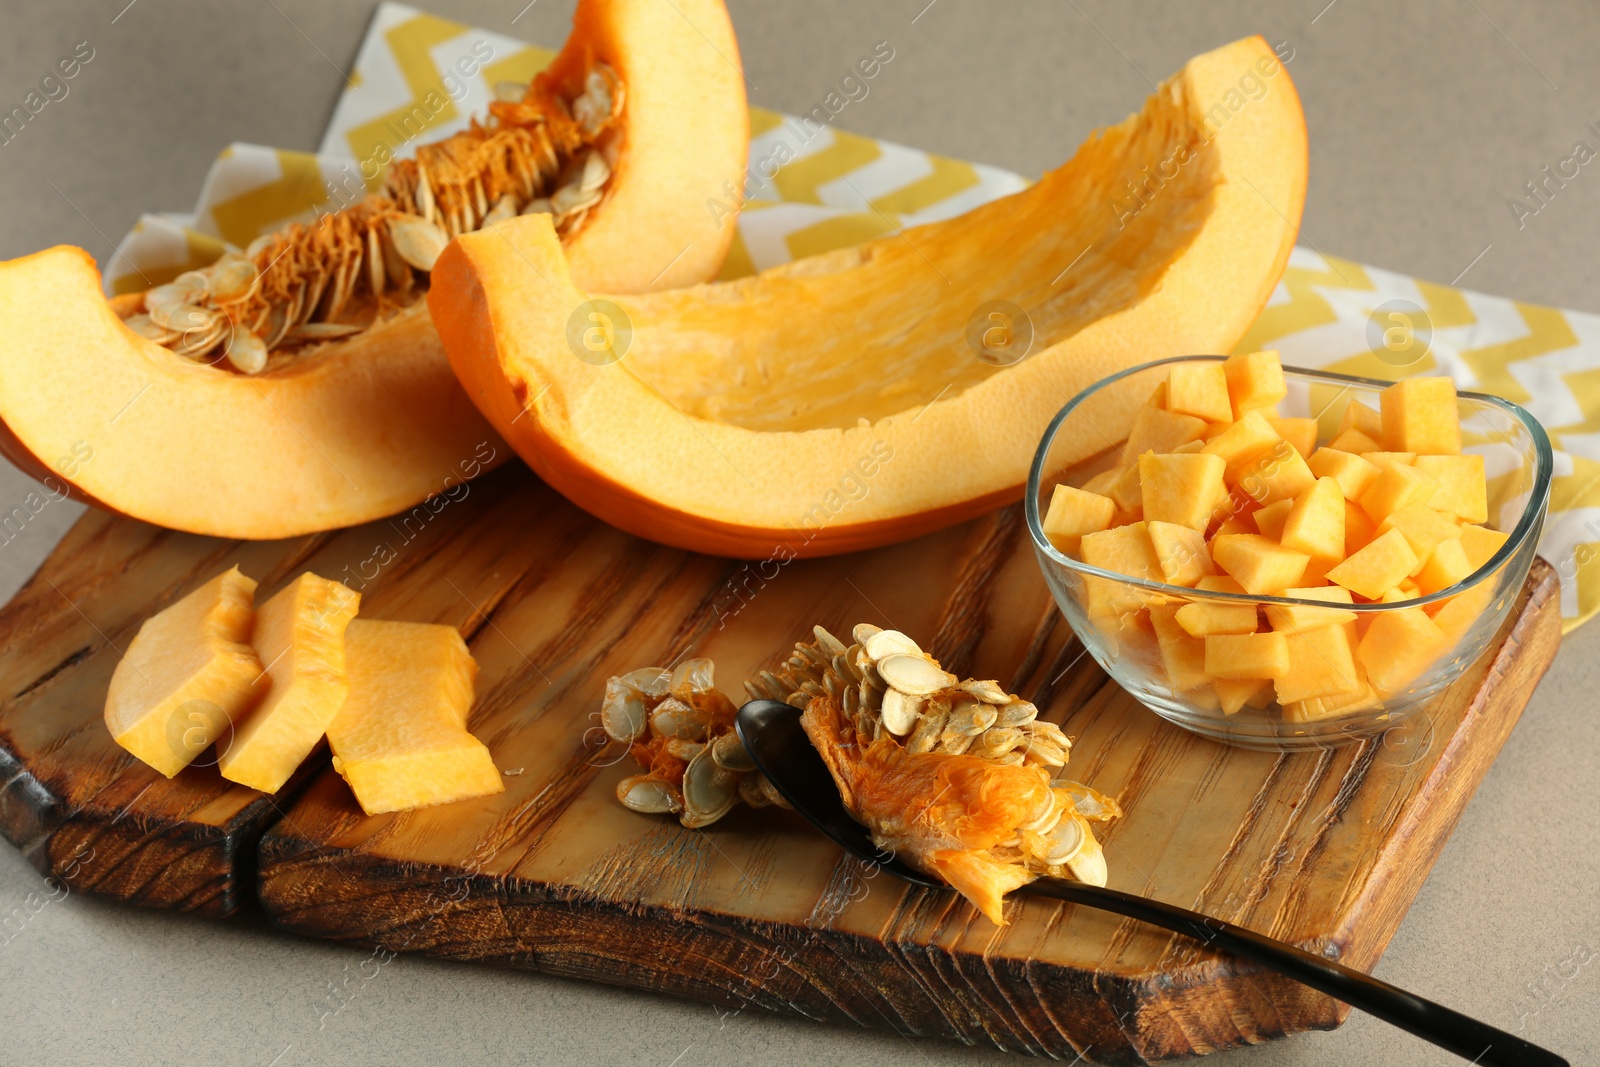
1424,119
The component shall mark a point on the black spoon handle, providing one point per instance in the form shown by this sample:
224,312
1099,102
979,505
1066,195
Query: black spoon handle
1465,1036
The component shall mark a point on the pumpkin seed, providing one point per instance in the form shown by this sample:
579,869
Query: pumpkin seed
322,331
246,351
648,794
863,631
730,754
989,691
928,729
673,718
1089,865
970,717
418,241
233,277
148,328
886,643
1089,803
771,791
751,793
913,675
709,792
623,714
899,712
1062,843
830,645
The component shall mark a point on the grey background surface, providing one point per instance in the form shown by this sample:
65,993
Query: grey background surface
1424,119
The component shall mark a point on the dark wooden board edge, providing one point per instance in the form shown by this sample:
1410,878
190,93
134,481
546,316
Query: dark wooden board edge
733,963
1213,1003
104,848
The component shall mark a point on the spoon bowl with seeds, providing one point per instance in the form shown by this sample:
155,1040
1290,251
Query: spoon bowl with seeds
815,778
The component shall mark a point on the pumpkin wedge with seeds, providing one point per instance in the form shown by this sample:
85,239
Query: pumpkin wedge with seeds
298,385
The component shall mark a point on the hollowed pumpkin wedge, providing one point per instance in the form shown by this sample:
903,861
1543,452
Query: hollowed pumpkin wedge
839,402
325,398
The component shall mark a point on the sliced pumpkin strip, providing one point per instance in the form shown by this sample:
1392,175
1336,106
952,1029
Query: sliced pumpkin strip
299,637
840,402
401,739
187,675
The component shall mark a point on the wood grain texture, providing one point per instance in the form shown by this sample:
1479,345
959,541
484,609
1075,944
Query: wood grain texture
77,805
1325,849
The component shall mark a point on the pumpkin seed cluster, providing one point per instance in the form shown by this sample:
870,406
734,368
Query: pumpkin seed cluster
539,153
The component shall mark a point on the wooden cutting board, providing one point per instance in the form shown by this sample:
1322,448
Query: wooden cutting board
1325,849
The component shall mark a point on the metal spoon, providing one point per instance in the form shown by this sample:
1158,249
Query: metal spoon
772,735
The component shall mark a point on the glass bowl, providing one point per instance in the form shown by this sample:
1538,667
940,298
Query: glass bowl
1125,641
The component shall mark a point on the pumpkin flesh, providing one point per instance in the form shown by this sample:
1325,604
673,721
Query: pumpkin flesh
835,403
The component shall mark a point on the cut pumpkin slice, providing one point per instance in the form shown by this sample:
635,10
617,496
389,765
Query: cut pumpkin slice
331,432
188,674
299,637
839,402
401,739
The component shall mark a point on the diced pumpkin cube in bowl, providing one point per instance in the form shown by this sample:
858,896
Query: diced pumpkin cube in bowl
1446,565
1201,390
1269,520
1321,664
1183,655
1395,487
1398,646
1463,490
1455,615
1377,567
1420,415
1255,380
1481,543
1181,552
1360,417
1352,472
1074,513
1354,441
1180,488
1359,529
1247,656
1260,564
1156,429
1235,694
1121,484
1293,618
1240,521
1382,460
1242,441
1202,618
1422,526
1315,522
1328,707
1123,550
1301,433
1279,473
